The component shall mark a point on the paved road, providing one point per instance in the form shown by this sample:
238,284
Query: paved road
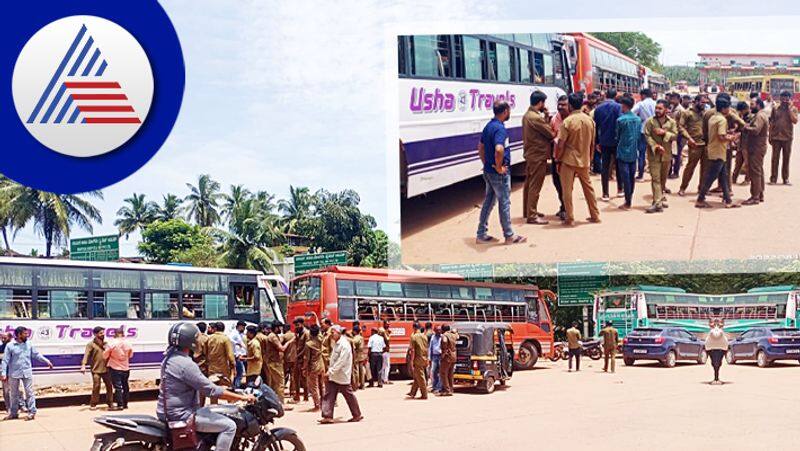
643,407
440,228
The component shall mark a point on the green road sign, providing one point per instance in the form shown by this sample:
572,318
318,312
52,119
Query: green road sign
578,282
470,271
95,248
309,262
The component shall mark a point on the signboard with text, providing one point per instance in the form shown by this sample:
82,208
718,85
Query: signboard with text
578,282
95,248
470,271
308,262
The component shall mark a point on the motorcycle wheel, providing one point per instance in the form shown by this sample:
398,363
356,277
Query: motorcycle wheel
288,443
108,442
595,354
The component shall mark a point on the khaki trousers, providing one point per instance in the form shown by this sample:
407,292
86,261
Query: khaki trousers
446,373
695,157
568,174
755,171
609,355
780,149
316,386
535,173
420,384
659,171
97,379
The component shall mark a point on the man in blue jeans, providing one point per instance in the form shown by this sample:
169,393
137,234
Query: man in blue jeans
629,128
496,158
16,369
435,358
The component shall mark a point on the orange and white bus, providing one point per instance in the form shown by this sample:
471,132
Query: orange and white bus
598,65
768,87
371,296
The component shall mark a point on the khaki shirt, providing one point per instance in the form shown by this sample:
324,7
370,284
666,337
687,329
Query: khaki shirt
327,347
262,341
290,354
664,141
254,358
573,338
756,133
359,349
300,342
94,357
610,338
312,356
781,123
420,346
717,129
577,134
448,346
537,136
220,355
274,354
200,355
691,126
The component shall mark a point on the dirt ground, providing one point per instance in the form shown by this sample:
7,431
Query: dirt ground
440,227
640,407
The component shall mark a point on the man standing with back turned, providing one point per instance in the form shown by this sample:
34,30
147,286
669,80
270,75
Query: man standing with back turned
537,139
781,133
610,339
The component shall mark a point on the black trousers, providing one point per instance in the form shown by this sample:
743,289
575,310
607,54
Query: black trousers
716,170
577,354
609,160
121,387
716,361
375,367
557,184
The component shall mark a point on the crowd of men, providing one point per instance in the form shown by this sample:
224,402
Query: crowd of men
619,137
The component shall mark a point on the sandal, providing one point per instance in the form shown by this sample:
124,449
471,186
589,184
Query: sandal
516,239
488,239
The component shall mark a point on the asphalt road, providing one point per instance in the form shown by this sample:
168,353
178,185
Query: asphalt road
640,407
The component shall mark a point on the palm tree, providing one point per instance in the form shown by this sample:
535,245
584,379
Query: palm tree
251,236
6,216
238,194
203,201
170,208
136,215
297,209
54,215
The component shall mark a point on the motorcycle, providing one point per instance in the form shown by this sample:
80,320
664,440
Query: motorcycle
592,348
559,352
253,431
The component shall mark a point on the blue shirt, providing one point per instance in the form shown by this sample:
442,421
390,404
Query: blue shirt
493,134
628,129
181,382
605,117
645,110
435,346
17,360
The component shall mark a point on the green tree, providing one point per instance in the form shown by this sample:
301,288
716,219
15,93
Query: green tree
338,221
251,237
165,241
6,214
203,201
688,73
53,216
635,45
377,252
170,207
137,214
297,210
203,253
237,195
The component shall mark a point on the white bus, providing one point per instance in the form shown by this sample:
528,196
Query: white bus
447,84
61,301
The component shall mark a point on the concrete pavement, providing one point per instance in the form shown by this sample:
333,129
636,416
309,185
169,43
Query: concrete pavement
640,407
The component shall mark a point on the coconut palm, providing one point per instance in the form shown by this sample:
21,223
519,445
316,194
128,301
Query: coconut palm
237,195
54,216
6,216
251,236
136,215
169,208
297,210
203,201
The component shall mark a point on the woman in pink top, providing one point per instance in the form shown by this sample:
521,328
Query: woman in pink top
118,355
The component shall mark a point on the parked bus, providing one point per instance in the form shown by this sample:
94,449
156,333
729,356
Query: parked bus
372,296
61,301
768,87
655,81
644,306
598,65
447,84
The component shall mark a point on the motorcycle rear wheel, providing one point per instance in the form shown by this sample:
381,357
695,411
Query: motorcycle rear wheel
108,442
287,443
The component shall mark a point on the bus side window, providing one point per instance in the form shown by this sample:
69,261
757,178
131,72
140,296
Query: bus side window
347,309
244,297
15,303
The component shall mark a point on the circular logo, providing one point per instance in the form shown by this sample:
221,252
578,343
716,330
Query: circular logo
82,86
44,333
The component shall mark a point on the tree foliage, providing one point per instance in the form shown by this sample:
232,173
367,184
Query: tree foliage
635,45
688,73
166,241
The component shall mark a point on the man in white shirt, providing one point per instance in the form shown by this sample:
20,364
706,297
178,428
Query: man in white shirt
338,378
376,345
239,351
645,109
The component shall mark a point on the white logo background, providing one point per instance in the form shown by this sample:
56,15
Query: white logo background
127,64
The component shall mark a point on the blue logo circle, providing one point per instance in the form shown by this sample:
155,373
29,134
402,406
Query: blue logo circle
90,91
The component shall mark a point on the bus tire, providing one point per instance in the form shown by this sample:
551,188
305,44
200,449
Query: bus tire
528,356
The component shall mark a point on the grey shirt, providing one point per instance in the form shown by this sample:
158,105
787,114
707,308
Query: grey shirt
181,381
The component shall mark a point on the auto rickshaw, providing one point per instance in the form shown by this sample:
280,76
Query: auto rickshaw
484,354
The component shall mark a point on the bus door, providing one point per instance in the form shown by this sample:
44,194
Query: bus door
562,66
269,308
245,301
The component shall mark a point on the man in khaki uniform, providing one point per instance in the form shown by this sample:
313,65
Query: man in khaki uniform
448,359
290,355
298,380
419,363
327,341
691,127
610,340
718,139
576,142
200,355
261,337
274,359
660,131
574,346
756,150
254,357
314,366
359,359
781,133
537,139
93,356
221,362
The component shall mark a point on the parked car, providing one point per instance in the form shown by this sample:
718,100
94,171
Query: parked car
765,345
665,344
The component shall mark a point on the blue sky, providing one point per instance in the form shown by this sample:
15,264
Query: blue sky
282,93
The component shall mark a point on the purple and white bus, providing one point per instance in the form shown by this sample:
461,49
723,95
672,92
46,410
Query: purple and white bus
447,84
61,301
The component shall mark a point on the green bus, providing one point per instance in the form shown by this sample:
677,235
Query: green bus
653,306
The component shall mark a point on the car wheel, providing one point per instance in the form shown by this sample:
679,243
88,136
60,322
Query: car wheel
761,359
488,385
703,358
729,358
628,361
528,355
671,359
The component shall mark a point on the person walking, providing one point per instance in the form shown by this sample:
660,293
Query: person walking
645,109
386,367
314,367
339,378
574,152
610,340
659,131
239,351
718,138
221,361
781,134
574,346
118,356
448,360
629,128
17,368
274,359
376,344
359,356
298,380
690,126
93,356
495,155
756,131
434,359
716,346
605,118
419,363
254,360
537,139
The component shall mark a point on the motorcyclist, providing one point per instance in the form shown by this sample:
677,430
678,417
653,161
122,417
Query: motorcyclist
182,380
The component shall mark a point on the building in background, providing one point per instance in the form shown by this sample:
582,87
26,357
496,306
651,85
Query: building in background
716,68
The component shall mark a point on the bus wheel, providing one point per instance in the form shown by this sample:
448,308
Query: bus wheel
528,355
487,386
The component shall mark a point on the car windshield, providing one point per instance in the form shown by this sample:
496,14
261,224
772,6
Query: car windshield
646,332
787,332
